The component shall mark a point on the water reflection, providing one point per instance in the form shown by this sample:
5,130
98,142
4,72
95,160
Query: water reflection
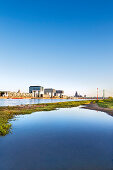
66,139
13,102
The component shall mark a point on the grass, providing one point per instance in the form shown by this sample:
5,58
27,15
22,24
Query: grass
107,103
8,112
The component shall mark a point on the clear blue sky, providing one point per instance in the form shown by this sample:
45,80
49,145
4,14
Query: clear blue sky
64,44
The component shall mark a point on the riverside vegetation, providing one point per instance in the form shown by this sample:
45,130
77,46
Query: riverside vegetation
107,103
9,112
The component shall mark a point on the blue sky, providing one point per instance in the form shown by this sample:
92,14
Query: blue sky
64,44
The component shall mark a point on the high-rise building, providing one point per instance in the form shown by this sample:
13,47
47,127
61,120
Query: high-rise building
37,91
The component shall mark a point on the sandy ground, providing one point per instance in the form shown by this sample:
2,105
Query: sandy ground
92,106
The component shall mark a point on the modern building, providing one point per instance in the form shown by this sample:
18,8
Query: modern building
59,93
51,92
37,91
34,92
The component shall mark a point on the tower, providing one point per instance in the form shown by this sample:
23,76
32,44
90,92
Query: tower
76,94
103,94
97,93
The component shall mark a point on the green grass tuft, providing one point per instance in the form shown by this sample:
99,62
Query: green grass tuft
107,103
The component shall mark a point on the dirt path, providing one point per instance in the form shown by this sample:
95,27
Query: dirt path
93,106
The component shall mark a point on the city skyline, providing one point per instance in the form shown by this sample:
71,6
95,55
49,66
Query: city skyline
62,44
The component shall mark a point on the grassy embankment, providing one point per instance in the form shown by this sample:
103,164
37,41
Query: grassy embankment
107,103
8,112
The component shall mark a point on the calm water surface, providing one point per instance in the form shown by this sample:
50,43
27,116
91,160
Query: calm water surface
65,139
14,102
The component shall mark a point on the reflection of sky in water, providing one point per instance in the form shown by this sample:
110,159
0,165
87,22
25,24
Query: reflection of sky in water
13,102
62,139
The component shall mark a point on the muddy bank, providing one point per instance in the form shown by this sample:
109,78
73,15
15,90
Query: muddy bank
95,106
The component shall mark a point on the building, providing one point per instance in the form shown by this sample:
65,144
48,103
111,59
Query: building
51,92
4,93
65,96
76,94
34,92
37,91
59,93
9,94
85,96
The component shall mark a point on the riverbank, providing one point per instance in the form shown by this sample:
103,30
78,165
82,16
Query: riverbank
9,112
101,105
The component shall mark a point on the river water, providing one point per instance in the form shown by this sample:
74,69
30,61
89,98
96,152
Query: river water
64,139
14,102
